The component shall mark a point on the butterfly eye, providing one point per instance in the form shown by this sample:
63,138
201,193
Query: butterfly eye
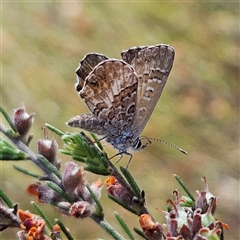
138,145
141,143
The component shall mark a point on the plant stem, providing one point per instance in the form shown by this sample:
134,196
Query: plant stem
107,227
31,155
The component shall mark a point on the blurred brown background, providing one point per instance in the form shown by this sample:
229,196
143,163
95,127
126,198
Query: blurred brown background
42,44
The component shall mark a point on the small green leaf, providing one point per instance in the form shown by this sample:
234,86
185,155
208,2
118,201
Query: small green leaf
6,199
9,120
97,170
124,226
123,204
111,230
139,232
22,170
54,129
97,140
81,148
64,229
50,166
9,152
183,185
96,200
131,182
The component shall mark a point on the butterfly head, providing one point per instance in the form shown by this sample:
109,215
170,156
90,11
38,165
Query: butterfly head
139,144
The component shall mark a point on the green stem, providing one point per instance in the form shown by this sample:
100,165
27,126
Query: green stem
31,155
9,120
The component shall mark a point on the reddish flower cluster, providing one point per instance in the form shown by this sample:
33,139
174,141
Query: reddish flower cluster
33,227
184,222
73,182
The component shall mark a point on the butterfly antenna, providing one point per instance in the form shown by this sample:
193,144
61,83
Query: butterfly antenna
170,144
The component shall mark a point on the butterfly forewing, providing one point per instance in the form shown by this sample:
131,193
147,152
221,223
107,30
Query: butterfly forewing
152,65
110,93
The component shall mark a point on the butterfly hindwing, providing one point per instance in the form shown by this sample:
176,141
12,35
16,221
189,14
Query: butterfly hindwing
152,65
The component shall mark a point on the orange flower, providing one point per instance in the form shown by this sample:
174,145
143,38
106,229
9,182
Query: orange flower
151,229
111,180
32,225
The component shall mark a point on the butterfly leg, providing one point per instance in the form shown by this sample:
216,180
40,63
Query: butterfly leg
129,159
121,156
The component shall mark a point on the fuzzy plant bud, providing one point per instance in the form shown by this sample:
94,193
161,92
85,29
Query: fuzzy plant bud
73,177
49,149
81,209
43,193
115,189
22,121
74,183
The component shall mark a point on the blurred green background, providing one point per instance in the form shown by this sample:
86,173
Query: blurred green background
42,44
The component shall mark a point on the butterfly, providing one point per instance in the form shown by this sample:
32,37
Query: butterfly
122,94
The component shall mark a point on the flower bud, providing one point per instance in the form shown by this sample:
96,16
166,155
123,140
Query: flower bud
186,221
49,149
73,177
23,121
115,189
81,209
43,193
